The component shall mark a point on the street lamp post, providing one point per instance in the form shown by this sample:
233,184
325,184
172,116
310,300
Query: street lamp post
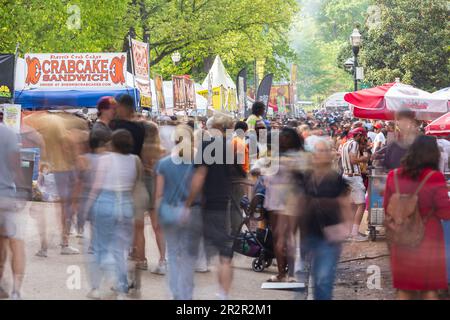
355,41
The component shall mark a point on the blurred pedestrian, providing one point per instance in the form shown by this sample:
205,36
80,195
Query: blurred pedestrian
322,203
11,222
419,269
111,202
182,228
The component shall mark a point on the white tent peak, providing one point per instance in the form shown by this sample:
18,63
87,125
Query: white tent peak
219,76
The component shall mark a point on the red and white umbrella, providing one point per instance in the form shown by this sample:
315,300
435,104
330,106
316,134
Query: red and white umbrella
439,127
383,101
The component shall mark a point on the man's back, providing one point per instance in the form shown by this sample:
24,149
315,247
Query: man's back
136,130
217,186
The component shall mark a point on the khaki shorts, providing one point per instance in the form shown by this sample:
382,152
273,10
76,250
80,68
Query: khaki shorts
358,190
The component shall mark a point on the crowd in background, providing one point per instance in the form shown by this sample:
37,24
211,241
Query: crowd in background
107,176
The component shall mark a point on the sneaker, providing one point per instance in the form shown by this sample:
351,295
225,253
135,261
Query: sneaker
142,265
66,250
359,238
15,296
202,269
42,253
3,294
134,294
94,294
161,268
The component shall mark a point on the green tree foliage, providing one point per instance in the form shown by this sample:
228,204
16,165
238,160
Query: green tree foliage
238,30
411,42
322,31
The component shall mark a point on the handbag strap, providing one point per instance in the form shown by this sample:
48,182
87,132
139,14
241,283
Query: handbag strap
421,184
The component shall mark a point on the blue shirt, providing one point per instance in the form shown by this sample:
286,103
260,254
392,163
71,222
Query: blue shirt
177,179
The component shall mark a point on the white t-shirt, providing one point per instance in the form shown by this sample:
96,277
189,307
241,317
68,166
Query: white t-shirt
372,135
379,139
117,171
445,154
166,135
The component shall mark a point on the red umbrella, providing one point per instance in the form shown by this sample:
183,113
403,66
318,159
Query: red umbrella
381,102
439,127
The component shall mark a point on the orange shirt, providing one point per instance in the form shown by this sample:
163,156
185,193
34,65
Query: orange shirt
240,146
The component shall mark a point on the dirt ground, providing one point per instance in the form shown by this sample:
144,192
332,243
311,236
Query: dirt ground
357,276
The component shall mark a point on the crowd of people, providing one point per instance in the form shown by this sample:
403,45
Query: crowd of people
189,174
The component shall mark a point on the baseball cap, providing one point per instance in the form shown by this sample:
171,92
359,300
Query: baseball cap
356,131
105,103
378,126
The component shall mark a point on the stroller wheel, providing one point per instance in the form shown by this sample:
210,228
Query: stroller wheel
267,263
258,265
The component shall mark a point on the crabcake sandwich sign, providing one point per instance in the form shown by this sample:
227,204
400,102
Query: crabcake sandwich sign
76,70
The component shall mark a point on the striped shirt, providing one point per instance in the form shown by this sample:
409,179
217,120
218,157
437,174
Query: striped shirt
351,146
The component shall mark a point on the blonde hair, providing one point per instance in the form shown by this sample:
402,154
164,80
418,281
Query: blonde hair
184,139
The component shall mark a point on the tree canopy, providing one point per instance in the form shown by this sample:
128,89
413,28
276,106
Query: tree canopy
410,42
239,31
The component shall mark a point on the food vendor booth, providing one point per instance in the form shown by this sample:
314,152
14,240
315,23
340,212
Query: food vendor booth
381,103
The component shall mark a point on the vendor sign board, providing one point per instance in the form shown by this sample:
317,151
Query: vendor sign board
141,65
12,116
75,70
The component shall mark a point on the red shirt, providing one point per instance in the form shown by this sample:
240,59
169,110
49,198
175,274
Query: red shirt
423,267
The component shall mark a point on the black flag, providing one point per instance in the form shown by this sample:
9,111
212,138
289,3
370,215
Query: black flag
242,91
7,77
264,90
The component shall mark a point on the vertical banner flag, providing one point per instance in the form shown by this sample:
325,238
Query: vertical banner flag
6,77
159,88
293,84
242,91
210,91
189,86
141,63
260,67
264,90
179,93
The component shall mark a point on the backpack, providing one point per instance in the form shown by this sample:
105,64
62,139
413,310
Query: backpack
403,222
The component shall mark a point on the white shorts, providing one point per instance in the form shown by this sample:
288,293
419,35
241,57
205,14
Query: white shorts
358,191
12,220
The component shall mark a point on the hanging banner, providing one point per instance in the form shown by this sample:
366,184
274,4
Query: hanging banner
189,86
141,65
293,85
12,116
264,90
260,67
6,77
75,70
242,91
179,93
280,97
159,87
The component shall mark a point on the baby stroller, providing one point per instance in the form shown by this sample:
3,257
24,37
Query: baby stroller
254,238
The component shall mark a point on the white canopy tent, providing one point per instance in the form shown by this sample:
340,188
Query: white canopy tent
336,101
219,76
